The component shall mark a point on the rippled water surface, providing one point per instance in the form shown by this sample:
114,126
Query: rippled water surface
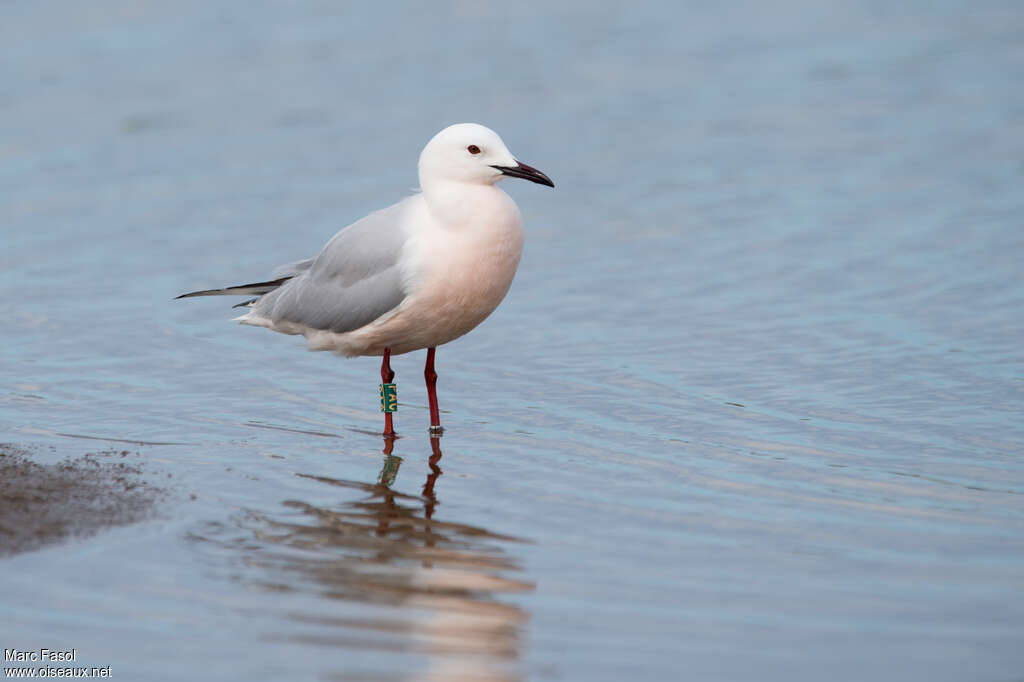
752,409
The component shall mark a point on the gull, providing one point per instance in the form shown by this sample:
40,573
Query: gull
417,274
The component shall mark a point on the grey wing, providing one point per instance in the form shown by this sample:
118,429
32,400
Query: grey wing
292,269
354,280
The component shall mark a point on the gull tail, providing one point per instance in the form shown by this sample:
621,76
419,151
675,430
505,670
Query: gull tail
257,288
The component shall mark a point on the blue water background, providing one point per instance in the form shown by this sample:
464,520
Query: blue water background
752,409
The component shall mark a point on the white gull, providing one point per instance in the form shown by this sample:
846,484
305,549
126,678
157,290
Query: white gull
417,274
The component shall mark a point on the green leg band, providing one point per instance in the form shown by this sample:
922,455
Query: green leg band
388,398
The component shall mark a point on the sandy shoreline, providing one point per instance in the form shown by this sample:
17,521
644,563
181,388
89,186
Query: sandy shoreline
42,504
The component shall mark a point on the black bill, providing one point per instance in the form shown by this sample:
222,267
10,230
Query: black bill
521,170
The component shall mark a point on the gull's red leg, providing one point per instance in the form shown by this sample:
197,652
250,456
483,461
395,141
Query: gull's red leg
431,376
387,376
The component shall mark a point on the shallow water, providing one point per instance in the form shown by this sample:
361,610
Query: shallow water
752,409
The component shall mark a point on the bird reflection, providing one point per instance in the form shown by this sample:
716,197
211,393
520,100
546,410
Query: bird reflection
392,462
397,578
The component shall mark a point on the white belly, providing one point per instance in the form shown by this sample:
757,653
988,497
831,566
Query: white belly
462,280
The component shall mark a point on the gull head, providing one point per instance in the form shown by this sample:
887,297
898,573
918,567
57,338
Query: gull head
473,154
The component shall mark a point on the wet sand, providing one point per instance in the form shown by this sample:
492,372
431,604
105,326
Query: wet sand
41,504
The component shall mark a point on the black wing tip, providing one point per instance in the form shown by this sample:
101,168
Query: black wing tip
240,290
204,292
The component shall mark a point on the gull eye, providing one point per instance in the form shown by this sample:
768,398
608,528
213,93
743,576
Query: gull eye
473,149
